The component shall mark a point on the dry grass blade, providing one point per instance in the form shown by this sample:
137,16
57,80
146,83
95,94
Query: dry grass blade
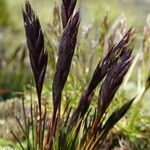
115,33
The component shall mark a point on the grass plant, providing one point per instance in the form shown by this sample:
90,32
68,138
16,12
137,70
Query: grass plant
79,128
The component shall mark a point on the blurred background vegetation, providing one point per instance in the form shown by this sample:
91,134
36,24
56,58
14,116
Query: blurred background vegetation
12,33
15,74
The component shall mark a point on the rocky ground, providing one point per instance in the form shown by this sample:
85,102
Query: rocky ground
9,110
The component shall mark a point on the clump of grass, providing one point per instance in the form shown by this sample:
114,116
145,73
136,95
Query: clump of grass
79,129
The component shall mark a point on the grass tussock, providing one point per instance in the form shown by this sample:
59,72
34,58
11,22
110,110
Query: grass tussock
79,128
